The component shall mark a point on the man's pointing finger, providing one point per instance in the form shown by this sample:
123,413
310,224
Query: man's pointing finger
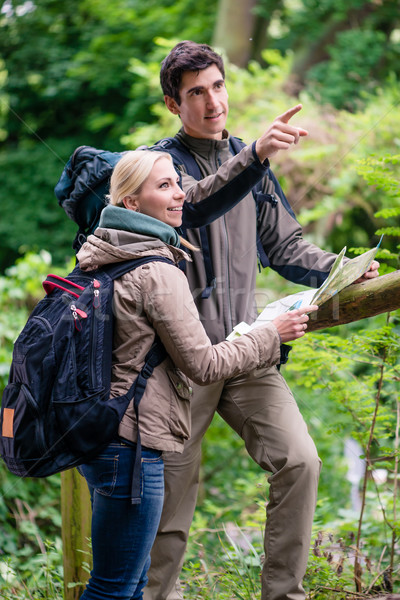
286,116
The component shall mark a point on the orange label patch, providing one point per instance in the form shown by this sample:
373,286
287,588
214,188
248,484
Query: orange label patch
8,422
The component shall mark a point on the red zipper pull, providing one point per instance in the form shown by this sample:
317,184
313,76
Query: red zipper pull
75,314
96,293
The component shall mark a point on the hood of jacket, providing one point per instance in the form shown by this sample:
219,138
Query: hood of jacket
109,246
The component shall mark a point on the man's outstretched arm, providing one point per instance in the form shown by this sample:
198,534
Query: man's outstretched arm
213,196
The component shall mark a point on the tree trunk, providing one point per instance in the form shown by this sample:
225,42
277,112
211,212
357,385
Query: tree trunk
359,301
76,518
234,29
260,37
242,31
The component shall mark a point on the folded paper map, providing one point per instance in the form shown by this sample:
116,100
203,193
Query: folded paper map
340,276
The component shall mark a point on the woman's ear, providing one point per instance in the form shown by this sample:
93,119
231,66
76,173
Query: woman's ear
131,203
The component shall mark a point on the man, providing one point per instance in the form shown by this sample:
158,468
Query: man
259,407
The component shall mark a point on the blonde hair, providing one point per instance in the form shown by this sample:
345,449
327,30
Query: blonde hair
130,173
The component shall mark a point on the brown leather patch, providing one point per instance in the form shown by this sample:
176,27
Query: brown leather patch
8,422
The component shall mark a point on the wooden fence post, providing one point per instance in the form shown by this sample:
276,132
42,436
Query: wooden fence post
76,517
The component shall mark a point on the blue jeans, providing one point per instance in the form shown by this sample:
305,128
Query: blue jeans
122,533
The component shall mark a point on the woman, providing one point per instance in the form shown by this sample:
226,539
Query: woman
145,208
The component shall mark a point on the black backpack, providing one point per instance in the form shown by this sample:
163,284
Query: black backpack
82,187
56,410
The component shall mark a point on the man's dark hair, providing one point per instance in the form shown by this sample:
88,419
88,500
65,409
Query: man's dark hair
186,56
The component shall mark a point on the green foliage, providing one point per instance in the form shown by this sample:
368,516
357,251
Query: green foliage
344,79
343,48
348,370
235,572
77,81
358,377
76,86
384,174
43,580
14,294
31,218
347,211
30,515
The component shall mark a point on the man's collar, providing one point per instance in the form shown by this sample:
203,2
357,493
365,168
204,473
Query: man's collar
203,144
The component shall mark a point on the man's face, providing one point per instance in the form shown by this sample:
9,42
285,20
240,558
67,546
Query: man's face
204,103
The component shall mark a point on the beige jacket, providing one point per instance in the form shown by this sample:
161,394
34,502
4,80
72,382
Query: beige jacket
155,298
232,237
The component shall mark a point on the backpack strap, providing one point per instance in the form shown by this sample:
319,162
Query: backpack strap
113,271
116,270
208,266
183,157
180,155
154,357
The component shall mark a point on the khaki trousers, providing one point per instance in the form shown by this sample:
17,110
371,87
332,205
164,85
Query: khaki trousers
262,410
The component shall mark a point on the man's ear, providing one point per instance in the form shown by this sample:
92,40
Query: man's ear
172,105
130,203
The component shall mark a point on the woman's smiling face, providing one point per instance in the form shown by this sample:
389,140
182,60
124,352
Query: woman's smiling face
160,196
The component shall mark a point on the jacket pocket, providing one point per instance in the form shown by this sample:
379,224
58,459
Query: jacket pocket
180,403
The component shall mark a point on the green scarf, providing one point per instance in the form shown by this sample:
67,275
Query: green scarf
115,217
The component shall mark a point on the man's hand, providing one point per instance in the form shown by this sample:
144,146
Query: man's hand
280,135
370,274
